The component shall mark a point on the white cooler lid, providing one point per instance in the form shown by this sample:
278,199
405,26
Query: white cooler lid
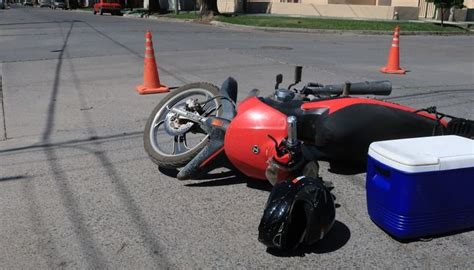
436,153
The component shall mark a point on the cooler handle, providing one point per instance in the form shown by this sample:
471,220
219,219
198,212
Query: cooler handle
382,178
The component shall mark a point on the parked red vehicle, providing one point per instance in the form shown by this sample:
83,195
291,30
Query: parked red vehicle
107,6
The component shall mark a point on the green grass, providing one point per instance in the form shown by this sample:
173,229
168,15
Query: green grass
333,24
184,16
320,23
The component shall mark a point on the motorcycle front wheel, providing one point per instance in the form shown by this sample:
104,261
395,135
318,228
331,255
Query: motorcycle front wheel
170,141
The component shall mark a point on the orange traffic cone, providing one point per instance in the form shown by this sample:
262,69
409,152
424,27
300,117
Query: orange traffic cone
393,62
151,80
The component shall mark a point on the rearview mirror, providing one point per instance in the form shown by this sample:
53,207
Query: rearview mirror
298,72
279,80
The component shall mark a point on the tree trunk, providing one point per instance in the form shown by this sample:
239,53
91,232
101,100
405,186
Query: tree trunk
71,4
74,4
209,8
442,16
154,5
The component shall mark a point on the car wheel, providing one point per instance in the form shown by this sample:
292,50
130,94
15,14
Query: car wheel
95,12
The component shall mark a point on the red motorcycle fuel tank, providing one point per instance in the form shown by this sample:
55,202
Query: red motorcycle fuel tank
247,144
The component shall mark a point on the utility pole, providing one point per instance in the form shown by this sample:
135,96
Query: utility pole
176,6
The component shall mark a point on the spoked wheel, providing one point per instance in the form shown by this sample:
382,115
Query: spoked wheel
171,141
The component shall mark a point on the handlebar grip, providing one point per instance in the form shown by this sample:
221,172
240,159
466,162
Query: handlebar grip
379,88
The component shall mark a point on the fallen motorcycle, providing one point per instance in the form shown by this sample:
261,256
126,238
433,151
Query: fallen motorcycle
283,136
275,138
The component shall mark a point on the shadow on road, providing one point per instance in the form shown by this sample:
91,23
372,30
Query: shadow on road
429,238
334,240
167,72
11,178
439,94
36,23
149,238
42,146
69,197
91,253
146,233
222,178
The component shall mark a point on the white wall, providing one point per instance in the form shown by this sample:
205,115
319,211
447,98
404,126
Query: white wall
344,11
469,3
229,6
404,3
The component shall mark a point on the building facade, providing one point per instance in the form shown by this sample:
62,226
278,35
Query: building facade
363,9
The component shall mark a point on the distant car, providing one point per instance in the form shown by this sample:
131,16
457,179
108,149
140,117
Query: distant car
107,6
58,4
28,3
46,3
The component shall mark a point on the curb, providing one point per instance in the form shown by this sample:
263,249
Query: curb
81,10
157,18
297,30
333,31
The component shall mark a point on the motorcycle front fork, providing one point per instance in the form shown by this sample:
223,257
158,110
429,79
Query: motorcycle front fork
289,160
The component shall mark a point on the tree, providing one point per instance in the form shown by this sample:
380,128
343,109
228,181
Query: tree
71,4
445,5
209,8
154,5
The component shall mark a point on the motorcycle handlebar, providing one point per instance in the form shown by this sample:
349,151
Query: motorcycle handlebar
379,88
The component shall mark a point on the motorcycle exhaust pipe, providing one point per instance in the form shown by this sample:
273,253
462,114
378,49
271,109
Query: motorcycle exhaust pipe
292,140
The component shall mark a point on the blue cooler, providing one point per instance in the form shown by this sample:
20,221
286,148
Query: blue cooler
421,186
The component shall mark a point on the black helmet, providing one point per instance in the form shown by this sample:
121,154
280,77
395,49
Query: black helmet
298,211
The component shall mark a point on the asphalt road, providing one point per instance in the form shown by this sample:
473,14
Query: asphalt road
77,189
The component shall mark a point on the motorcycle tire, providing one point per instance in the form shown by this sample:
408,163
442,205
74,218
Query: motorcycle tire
171,161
